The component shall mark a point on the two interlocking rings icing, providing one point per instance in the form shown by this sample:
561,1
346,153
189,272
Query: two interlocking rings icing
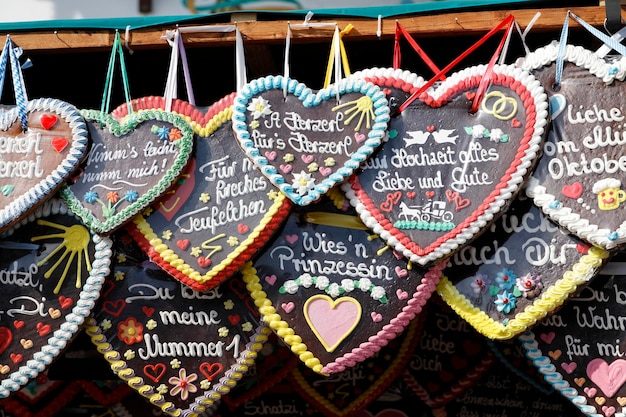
499,104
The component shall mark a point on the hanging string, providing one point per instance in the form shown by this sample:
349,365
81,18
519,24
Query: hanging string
397,58
108,85
21,99
286,62
506,22
338,56
240,60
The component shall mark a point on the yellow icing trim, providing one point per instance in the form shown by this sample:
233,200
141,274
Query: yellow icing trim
375,387
337,197
172,258
552,298
274,321
335,220
333,305
121,369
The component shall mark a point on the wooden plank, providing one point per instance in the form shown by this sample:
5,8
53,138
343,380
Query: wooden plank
432,25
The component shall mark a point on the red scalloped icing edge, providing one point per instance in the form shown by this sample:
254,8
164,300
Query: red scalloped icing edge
414,331
181,107
531,114
62,399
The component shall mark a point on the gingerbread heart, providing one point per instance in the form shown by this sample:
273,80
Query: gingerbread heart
46,259
218,215
35,163
513,396
130,164
180,348
444,174
449,358
337,294
578,182
579,349
273,363
346,393
305,142
517,272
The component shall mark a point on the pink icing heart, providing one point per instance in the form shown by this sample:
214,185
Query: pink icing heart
286,169
569,367
291,239
608,411
270,155
360,137
307,159
402,295
547,337
401,272
325,171
288,307
270,279
591,392
376,317
609,378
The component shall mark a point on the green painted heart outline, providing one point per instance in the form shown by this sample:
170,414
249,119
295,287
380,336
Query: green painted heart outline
83,196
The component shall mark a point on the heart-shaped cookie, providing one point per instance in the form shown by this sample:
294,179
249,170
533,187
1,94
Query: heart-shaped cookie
305,142
444,174
273,363
580,348
346,393
46,259
578,181
517,272
130,164
221,212
36,162
180,348
449,359
334,292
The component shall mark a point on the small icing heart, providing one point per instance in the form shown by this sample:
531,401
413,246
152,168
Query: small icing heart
242,228
26,343
325,171
360,137
516,123
580,381
569,367
557,104
411,194
18,324
234,319
574,190
59,144
608,411
148,311
307,158
430,128
204,262
183,244
43,329
48,121
600,400
547,337
270,155
55,313
286,169
16,357
209,370
376,317
291,239
590,391
270,279
621,401
430,194
402,295
401,272
555,354
288,307
65,302
155,372
4,369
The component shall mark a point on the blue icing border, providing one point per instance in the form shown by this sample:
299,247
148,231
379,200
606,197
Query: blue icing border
310,99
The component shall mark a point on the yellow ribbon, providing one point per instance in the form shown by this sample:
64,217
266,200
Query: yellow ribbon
344,56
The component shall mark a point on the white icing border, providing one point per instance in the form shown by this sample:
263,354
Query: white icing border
78,150
310,99
506,194
548,203
74,320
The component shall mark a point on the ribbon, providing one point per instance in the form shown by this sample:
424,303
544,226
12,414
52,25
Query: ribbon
108,84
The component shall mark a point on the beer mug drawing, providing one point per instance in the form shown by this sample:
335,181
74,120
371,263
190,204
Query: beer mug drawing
610,193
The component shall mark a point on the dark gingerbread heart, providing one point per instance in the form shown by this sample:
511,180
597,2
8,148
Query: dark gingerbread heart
34,166
221,212
449,359
346,393
130,164
579,348
337,293
211,353
469,167
579,180
45,261
517,272
305,142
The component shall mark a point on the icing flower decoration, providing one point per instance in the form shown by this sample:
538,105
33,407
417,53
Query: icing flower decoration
477,131
302,182
232,241
205,384
288,157
229,305
175,363
113,200
330,162
222,332
259,107
505,279
130,331
175,134
204,197
506,302
106,324
530,285
334,290
119,276
183,384
129,354
312,167
497,135
121,258
162,132
195,251
254,124
151,324
162,389
166,235
479,283
246,327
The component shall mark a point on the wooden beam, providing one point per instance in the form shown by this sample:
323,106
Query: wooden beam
451,23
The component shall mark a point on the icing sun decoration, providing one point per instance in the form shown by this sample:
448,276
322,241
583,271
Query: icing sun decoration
75,243
305,143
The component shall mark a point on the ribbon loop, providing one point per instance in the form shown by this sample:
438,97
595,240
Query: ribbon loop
11,52
397,58
108,84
